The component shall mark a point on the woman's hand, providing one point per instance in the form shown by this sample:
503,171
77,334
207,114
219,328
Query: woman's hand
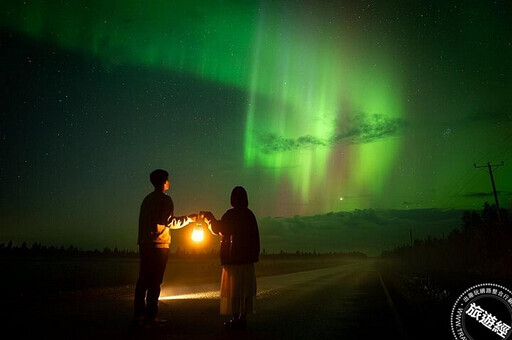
208,219
208,215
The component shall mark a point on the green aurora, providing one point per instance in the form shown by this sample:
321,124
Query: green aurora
306,86
377,104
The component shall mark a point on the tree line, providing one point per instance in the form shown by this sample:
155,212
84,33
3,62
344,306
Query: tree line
38,249
479,247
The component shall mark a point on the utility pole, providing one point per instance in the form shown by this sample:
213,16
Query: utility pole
490,167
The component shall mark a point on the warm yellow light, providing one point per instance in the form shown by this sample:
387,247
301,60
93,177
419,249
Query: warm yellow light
214,294
197,234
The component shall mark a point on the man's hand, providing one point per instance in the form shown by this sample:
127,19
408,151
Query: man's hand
192,218
181,222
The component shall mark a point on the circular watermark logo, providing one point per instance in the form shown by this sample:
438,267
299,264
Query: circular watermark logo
483,311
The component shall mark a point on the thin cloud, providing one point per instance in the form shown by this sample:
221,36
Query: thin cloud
360,129
271,143
485,194
489,115
365,128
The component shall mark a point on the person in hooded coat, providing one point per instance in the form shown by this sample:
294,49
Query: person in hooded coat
239,251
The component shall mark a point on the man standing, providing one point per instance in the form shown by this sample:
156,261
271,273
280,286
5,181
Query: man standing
155,219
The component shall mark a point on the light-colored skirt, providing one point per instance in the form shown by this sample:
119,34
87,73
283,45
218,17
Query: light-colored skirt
238,289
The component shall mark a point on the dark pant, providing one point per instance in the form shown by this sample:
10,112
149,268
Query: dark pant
151,274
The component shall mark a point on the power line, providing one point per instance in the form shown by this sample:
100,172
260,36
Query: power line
462,183
467,177
490,168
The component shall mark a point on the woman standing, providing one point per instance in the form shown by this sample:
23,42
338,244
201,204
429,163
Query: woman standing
239,250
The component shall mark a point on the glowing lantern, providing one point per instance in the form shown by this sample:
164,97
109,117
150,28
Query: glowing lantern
198,232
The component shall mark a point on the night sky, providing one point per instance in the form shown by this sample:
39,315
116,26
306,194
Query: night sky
313,106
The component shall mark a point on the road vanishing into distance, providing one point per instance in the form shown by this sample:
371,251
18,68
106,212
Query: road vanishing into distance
349,301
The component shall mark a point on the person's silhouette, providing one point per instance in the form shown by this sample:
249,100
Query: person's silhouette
240,248
155,218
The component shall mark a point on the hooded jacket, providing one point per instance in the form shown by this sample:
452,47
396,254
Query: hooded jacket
238,227
240,242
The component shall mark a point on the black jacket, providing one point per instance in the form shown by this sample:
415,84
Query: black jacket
240,239
156,215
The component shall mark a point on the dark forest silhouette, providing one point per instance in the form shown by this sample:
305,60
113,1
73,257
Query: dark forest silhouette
480,247
38,249
426,277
